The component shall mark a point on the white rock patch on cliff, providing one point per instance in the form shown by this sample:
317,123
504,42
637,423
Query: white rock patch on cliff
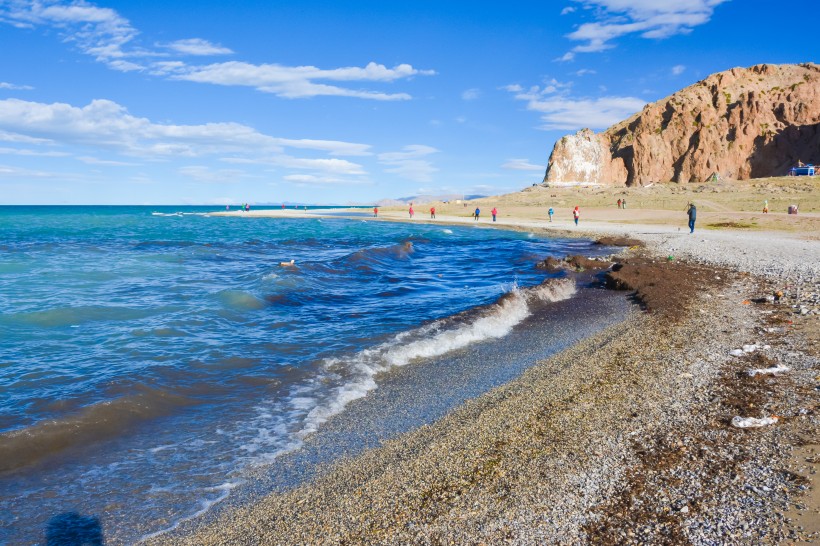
576,159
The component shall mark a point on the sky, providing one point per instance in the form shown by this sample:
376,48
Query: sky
327,102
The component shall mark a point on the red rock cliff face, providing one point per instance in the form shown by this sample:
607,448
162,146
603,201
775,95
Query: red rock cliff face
741,123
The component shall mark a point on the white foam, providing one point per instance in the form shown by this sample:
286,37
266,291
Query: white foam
161,448
283,425
447,231
204,506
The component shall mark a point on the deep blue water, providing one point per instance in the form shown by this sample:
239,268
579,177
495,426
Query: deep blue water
149,355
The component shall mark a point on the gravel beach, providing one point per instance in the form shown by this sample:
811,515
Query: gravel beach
631,436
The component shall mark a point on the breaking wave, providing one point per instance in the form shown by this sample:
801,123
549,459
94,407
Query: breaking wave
285,423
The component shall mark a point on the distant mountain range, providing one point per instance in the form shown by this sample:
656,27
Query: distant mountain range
427,199
386,202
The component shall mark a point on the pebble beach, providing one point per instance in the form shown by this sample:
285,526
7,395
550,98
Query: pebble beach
632,436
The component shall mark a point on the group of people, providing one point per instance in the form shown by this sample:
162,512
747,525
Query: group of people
412,212
477,213
691,212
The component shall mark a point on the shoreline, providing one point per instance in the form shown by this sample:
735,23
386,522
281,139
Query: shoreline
666,233
631,442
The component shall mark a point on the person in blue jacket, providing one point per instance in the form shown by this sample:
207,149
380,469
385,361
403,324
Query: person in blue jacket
692,212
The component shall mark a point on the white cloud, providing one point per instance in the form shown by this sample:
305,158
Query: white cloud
513,88
197,46
317,180
567,10
100,32
6,85
678,69
560,111
566,57
584,72
337,166
17,172
411,151
125,66
15,137
107,124
648,18
296,81
110,39
105,162
202,173
409,164
31,153
471,94
521,165
333,147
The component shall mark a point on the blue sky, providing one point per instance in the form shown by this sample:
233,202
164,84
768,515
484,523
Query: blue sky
166,102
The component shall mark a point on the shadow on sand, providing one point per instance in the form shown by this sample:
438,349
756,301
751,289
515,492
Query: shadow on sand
72,529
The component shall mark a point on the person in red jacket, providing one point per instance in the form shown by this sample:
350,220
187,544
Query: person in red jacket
433,213
576,213
494,212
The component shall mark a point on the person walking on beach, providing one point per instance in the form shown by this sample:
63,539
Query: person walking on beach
411,210
432,213
766,206
550,212
494,212
576,213
375,211
477,213
692,212
623,203
619,203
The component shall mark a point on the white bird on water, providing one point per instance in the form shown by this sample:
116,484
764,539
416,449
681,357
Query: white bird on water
287,264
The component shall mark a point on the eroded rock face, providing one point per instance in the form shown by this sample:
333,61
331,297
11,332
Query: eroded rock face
741,123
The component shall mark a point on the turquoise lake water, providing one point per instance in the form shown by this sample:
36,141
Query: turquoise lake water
150,355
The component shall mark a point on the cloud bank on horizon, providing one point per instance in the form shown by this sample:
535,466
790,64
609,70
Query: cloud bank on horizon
143,110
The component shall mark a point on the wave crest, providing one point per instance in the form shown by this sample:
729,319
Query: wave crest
22,447
354,376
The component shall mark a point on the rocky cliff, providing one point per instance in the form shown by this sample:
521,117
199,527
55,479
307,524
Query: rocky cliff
741,123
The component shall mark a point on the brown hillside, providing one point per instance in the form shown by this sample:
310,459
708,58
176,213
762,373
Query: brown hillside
741,123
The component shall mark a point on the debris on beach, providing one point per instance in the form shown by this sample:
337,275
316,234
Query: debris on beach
632,244
747,349
774,370
753,422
